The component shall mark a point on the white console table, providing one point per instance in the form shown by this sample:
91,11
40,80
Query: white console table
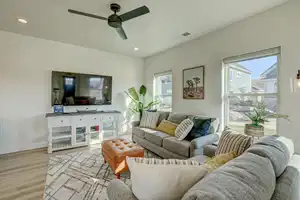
77,129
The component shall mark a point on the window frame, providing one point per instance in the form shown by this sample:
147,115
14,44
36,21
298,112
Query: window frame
169,72
226,93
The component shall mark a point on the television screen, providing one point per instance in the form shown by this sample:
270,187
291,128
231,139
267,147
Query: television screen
72,89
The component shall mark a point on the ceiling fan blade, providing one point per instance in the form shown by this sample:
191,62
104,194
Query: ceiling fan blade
135,13
86,14
122,33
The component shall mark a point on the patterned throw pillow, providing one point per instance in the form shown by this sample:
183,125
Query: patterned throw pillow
218,161
233,141
201,128
183,129
163,179
149,119
156,161
167,127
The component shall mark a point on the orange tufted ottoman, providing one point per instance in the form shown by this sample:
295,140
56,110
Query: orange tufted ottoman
115,151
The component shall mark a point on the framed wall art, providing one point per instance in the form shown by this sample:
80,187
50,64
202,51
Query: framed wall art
193,83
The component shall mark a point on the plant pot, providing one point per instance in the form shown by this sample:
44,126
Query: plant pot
253,130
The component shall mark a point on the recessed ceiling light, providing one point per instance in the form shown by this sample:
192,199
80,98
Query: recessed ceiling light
23,21
136,49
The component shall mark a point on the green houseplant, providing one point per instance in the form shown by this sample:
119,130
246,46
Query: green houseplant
137,100
258,117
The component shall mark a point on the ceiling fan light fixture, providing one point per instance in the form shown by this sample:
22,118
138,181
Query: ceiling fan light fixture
115,20
21,20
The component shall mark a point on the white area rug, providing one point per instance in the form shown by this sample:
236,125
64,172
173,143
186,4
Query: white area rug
80,176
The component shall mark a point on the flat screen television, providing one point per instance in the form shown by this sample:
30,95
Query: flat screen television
73,89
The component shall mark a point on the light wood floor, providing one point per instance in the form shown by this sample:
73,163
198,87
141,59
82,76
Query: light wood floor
23,175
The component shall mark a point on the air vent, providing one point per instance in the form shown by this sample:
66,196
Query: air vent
186,34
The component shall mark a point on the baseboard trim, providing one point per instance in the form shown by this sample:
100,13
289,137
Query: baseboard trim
42,149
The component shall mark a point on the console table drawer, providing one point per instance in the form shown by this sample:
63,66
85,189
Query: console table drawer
108,118
80,120
94,120
59,122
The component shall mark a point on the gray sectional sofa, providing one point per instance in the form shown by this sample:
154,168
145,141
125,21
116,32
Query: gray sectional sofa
268,170
167,146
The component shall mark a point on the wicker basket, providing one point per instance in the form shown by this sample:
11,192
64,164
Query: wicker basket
254,131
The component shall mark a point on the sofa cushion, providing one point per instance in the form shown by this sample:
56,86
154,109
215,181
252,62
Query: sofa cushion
248,177
138,131
233,141
177,118
117,190
176,146
162,116
287,185
276,149
156,137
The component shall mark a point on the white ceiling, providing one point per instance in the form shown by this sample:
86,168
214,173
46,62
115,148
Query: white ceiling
151,33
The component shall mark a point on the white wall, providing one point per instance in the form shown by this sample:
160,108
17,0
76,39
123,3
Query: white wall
25,84
276,27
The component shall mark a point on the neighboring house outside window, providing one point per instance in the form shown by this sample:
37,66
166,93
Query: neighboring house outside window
163,90
239,83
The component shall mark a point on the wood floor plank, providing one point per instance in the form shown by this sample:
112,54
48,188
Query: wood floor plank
23,175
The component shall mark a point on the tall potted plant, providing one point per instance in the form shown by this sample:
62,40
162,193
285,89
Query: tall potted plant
137,100
259,116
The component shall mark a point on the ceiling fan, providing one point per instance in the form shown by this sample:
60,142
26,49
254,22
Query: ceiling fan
115,20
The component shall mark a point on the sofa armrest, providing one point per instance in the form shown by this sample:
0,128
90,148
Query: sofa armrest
135,123
118,190
197,145
209,150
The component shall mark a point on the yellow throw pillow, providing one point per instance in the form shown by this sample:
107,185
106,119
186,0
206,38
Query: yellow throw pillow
219,160
167,127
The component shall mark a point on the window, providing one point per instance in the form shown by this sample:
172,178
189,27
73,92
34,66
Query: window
163,91
258,83
96,86
230,75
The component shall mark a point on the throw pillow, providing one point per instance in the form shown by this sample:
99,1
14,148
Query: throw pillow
149,119
233,141
167,127
163,179
201,128
183,129
218,160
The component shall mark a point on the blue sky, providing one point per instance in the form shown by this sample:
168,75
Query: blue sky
258,66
